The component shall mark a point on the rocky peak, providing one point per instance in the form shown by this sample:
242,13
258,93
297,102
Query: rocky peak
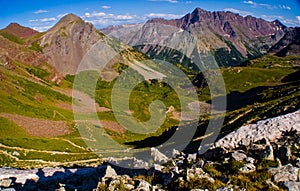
69,18
66,43
20,31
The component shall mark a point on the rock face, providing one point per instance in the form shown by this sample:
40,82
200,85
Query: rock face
270,129
289,44
66,43
285,173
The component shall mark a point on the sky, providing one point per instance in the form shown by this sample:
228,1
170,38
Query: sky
43,14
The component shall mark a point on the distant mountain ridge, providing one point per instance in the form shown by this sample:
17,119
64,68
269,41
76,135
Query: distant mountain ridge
230,37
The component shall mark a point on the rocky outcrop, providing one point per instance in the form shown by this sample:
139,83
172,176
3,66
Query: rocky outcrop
270,129
289,44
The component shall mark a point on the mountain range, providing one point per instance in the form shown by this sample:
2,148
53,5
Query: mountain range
231,38
259,62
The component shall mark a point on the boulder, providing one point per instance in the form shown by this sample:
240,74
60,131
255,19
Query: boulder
292,186
285,173
238,155
109,172
158,157
248,167
191,157
198,173
6,182
143,186
250,160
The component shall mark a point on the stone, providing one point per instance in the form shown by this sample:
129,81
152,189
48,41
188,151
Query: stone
292,186
270,129
250,160
158,156
143,186
6,182
285,173
248,167
109,172
191,157
238,155
61,189
113,184
224,189
175,153
128,186
15,153
158,167
198,173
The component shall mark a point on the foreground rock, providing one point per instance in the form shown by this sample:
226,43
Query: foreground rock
274,161
270,129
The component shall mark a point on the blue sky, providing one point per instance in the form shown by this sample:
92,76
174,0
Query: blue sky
41,15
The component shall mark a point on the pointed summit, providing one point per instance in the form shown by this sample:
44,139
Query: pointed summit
19,31
199,10
70,17
67,42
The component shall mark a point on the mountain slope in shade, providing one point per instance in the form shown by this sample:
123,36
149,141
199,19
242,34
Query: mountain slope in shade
20,31
289,44
66,43
231,37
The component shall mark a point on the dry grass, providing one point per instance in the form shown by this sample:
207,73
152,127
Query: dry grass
39,127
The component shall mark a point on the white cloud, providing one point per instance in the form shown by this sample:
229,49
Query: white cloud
285,7
249,2
106,7
272,17
241,12
42,28
48,19
285,21
298,18
40,11
170,1
94,14
188,2
43,20
163,15
256,5
105,19
33,20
